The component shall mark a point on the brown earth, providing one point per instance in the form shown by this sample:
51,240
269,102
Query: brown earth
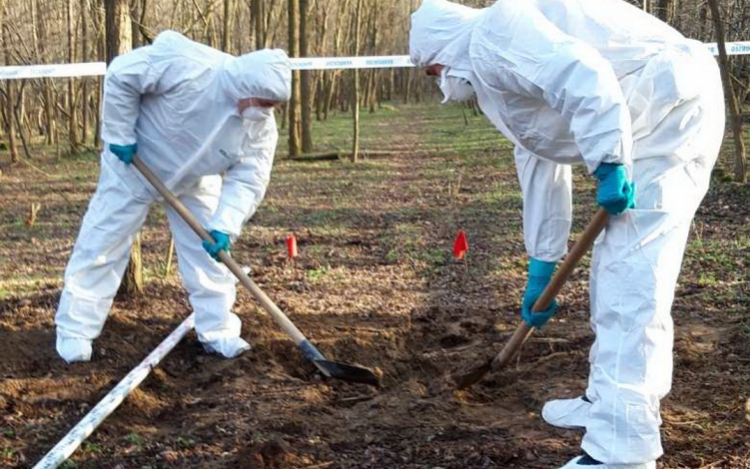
375,285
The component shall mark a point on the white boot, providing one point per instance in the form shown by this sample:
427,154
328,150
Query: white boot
567,413
229,347
73,349
586,462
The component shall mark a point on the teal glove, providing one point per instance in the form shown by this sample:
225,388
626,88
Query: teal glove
540,273
221,242
124,152
615,193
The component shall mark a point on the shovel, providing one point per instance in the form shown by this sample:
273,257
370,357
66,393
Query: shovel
329,369
523,331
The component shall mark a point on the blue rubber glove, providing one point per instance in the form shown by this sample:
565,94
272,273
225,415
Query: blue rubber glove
124,152
221,242
615,193
540,273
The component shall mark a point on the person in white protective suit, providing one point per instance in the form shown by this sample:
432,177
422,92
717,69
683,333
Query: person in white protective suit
602,83
191,113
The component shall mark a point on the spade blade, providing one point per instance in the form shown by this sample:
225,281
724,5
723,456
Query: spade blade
350,373
474,376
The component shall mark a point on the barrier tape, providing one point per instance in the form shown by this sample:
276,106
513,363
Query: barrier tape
336,63
733,48
65,447
311,63
53,70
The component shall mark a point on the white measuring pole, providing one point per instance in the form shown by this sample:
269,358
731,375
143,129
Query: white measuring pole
113,399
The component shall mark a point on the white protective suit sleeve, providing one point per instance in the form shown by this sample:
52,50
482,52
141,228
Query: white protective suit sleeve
547,205
566,73
245,182
128,77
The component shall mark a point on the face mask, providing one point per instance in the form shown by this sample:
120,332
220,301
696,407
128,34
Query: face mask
454,88
256,113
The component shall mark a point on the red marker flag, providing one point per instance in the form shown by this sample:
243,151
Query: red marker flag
291,246
460,245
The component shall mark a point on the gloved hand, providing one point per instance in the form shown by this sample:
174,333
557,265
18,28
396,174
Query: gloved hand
615,193
124,152
221,242
540,274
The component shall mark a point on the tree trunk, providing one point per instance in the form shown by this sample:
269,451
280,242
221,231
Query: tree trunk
73,119
306,95
132,282
117,26
50,124
19,115
134,13
98,15
374,40
10,85
119,41
740,161
664,10
319,95
85,58
328,104
355,87
226,36
294,103
260,29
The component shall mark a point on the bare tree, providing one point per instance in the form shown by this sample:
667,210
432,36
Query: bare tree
355,90
85,57
740,161
306,92
258,13
294,103
118,30
229,17
72,119
119,41
50,126
9,94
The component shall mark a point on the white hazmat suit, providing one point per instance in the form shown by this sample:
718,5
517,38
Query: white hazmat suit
178,100
597,81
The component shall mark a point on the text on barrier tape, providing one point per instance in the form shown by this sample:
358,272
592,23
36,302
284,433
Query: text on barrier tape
311,63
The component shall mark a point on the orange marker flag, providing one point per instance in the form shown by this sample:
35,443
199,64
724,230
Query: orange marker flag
460,245
291,246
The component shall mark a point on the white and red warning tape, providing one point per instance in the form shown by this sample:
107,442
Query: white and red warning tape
311,63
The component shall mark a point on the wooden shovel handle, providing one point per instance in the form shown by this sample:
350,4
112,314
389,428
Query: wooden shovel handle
281,319
595,226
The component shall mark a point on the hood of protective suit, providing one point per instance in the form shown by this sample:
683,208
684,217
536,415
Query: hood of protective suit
441,34
178,101
570,81
174,42
265,74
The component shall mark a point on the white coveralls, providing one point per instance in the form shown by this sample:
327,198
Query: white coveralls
179,101
595,81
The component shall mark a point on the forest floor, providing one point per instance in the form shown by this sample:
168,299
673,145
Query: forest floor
375,283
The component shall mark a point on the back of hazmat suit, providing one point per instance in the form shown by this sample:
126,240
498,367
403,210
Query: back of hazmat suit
594,82
178,101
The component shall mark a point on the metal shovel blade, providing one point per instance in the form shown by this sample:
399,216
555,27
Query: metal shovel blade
474,376
350,373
